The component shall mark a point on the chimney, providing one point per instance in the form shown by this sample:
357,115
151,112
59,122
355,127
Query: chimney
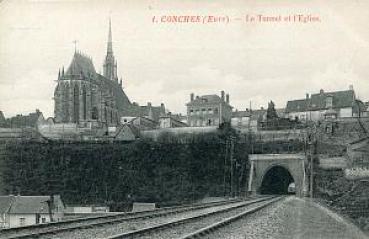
307,96
351,87
162,109
222,95
192,96
150,113
227,98
321,91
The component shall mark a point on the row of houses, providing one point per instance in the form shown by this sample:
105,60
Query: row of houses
203,111
213,110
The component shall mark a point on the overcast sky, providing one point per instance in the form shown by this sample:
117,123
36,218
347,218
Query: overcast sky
165,62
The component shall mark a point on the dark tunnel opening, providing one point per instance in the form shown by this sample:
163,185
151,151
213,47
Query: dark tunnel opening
277,180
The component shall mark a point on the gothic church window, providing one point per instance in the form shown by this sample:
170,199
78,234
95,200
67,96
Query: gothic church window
65,115
106,114
84,100
76,104
95,113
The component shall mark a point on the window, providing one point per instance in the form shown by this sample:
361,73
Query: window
84,100
216,111
76,104
191,112
43,220
197,112
329,102
95,113
210,111
22,221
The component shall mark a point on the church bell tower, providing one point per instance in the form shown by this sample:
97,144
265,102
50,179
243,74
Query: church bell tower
110,64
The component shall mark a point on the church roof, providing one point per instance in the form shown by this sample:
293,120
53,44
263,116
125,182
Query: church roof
122,101
81,64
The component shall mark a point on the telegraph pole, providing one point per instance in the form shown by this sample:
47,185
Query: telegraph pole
232,165
224,168
312,144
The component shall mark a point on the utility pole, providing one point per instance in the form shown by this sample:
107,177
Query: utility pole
312,144
232,165
225,167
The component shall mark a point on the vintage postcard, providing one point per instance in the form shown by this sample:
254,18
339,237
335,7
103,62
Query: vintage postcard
184,119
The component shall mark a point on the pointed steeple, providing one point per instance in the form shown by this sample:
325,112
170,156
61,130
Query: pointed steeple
110,67
110,39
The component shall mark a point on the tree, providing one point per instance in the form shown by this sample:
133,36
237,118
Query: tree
271,112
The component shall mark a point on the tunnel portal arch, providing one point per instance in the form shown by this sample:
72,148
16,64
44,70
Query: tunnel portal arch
276,180
287,167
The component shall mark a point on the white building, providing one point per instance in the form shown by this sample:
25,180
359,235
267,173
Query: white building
17,211
337,104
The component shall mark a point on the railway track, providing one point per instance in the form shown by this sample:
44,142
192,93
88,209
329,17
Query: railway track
50,229
206,231
199,225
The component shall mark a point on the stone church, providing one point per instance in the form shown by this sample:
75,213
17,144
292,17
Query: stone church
89,99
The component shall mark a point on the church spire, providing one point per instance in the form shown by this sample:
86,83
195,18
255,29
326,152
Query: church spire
110,66
110,39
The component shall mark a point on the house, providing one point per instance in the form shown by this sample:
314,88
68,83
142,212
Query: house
358,152
170,121
208,110
366,109
16,211
2,119
148,111
337,104
127,132
241,118
257,118
144,123
23,121
179,117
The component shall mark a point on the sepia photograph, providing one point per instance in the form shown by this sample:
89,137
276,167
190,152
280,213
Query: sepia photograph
229,119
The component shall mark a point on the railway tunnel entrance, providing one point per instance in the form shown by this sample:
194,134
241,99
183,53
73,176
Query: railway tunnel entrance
277,180
276,173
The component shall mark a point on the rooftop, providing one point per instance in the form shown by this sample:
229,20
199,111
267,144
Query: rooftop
340,99
81,64
25,204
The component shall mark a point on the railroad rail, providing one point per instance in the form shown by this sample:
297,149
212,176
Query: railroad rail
152,230
53,228
203,232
